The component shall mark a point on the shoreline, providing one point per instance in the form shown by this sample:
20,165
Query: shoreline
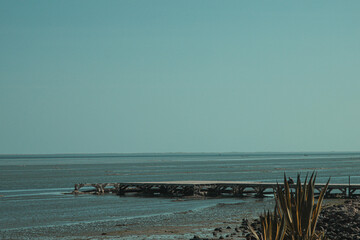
222,220
225,229
163,226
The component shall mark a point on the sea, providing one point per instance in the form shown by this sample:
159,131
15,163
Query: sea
34,203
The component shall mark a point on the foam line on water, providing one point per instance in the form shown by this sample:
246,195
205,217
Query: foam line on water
36,189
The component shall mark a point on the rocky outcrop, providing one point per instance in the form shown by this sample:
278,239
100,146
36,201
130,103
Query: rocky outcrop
341,221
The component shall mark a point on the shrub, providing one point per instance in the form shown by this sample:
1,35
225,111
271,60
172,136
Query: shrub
296,214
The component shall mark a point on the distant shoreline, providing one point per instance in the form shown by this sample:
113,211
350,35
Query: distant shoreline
170,154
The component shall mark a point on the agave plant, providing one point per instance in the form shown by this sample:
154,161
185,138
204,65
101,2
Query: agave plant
273,227
295,214
300,210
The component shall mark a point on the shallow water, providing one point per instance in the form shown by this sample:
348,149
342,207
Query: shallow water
32,203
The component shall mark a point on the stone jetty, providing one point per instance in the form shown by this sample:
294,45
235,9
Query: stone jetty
207,188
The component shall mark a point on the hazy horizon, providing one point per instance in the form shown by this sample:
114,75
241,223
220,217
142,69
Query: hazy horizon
140,154
190,76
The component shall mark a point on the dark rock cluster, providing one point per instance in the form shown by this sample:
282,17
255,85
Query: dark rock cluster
240,232
341,221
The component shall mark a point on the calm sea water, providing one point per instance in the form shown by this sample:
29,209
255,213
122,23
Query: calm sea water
32,203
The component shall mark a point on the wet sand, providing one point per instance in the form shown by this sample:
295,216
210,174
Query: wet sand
184,225
189,224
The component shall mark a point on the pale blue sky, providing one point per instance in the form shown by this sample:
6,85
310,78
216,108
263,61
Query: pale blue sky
179,76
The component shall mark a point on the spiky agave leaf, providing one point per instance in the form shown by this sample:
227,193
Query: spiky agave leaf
272,227
255,234
307,207
283,202
317,210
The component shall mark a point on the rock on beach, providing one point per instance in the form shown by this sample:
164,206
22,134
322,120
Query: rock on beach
341,221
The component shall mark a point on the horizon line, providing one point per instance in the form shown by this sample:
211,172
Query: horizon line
139,154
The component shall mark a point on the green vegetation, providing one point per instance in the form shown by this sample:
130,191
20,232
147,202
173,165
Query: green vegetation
295,215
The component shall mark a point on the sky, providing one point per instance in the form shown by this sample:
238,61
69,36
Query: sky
179,76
